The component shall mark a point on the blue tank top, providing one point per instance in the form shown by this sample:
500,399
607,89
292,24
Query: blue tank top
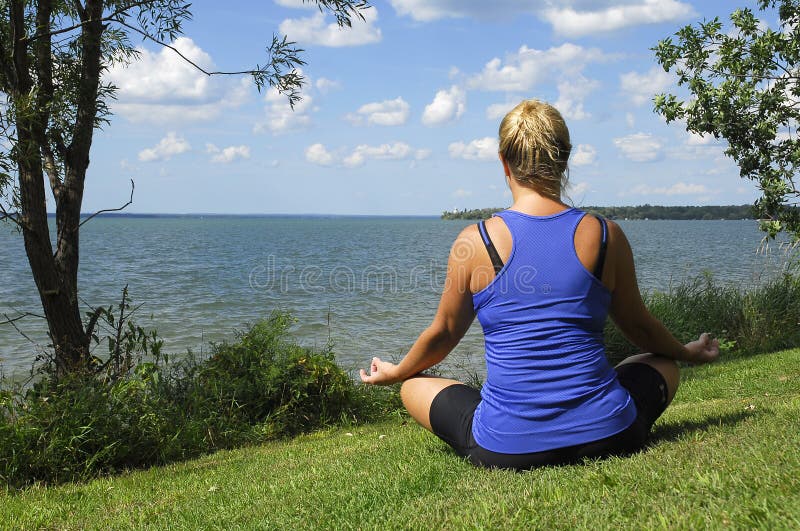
548,383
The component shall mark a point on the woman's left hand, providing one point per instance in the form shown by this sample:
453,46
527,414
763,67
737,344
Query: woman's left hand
380,373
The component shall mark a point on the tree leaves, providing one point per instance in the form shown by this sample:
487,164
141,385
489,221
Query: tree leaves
744,86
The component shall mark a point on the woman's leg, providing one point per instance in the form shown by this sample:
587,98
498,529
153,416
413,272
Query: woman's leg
668,368
418,393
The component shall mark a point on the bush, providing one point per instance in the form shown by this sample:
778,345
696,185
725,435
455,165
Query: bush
764,318
262,386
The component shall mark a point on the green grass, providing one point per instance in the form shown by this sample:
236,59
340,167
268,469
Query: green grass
726,453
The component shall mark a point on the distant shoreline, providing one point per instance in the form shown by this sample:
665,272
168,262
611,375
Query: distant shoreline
640,212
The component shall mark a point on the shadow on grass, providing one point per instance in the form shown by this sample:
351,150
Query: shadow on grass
675,430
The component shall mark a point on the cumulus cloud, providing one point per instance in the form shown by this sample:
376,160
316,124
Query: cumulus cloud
639,147
528,67
583,155
574,23
642,87
297,4
395,151
318,154
228,154
495,111
680,188
694,139
571,94
168,147
447,105
578,188
280,117
389,112
428,10
325,85
315,30
160,87
568,17
479,149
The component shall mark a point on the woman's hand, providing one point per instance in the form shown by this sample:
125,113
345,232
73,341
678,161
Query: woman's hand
380,373
703,350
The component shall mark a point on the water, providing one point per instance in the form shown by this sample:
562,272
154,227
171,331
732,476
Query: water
369,284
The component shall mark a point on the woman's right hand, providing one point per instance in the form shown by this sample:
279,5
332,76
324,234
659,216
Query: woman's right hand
703,350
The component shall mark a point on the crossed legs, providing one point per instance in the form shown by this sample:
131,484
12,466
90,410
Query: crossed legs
418,392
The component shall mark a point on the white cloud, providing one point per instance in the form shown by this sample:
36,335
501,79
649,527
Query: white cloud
583,155
694,139
447,105
297,4
461,193
228,154
528,67
679,188
428,10
281,118
639,147
570,17
496,111
642,87
578,188
389,112
161,87
630,119
314,30
571,94
318,154
571,22
480,149
325,85
168,147
395,151
422,154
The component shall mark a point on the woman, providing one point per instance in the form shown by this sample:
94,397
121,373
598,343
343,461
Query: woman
541,278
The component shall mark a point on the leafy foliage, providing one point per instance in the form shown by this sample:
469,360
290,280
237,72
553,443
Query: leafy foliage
255,389
743,86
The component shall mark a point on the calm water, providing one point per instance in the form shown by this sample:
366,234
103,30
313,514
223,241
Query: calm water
370,284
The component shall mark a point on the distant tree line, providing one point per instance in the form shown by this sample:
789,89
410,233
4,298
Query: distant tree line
634,212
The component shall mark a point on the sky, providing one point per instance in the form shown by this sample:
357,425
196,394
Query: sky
400,113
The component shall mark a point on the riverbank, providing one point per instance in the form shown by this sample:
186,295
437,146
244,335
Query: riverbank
723,454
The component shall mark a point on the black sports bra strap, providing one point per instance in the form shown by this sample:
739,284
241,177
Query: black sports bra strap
601,258
487,241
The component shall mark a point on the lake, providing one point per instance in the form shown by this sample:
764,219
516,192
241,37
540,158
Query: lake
370,284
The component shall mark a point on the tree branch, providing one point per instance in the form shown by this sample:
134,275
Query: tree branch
111,209
10,320
82,15
11,216
181,55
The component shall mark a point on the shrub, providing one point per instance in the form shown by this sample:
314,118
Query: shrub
259,387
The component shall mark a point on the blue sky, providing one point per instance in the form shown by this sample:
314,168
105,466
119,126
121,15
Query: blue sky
400,113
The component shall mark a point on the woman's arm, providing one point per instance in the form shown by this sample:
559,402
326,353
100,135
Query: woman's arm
452,320
634,319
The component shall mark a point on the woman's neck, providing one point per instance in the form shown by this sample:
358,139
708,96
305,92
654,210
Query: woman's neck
529,201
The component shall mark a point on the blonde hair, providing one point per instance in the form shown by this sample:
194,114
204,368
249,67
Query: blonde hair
534,141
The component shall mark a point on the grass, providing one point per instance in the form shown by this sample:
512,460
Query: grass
724,454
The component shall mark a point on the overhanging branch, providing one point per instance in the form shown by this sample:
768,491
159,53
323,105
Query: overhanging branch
133,186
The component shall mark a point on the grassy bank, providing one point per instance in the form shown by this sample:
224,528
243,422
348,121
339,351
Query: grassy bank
725,454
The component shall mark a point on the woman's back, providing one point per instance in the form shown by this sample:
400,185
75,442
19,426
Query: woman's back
548,382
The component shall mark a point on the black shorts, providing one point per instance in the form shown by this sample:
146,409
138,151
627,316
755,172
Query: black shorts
453,409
